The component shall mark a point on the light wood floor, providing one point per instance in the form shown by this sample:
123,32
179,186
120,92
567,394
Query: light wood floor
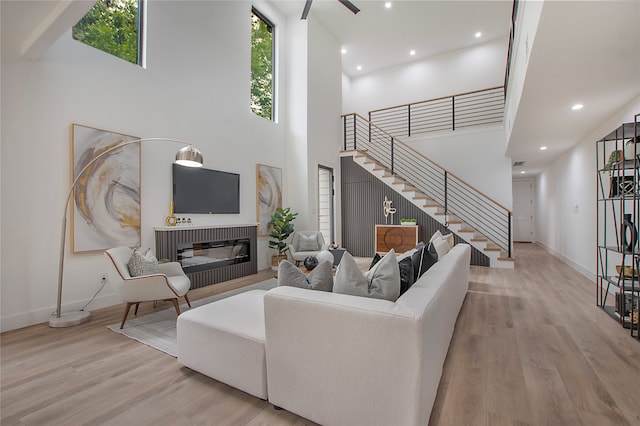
530,348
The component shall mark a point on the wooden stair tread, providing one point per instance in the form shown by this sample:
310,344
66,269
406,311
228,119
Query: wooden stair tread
507,259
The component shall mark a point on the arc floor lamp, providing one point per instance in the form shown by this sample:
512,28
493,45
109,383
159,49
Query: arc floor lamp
186,156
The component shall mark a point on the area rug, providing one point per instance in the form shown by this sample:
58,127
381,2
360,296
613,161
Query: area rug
158,329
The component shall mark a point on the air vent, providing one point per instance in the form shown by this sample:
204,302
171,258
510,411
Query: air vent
518,163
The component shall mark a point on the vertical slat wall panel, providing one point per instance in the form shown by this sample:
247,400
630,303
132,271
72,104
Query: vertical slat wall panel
362,198
167,240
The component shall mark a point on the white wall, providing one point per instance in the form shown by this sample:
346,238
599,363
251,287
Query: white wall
476,157
479,67
195,88
565,198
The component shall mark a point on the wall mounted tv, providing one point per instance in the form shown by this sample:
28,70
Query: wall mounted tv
199,190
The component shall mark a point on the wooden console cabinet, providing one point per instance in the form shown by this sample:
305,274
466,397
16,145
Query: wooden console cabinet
401,238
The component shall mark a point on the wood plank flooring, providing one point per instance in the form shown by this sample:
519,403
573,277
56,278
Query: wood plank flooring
530,348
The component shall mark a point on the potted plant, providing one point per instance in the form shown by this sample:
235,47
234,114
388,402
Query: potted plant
281,224
408,222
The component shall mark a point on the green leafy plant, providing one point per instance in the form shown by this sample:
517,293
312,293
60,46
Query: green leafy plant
281,227
408,220
614,157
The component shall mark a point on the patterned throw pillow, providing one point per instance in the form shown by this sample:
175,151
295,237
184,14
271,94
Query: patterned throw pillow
308,243
142,263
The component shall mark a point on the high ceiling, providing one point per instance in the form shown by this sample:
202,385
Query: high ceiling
379,37
584,52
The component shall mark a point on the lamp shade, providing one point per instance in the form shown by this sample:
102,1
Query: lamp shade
189,156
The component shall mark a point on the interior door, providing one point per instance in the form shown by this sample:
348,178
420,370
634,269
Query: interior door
523,227
325,203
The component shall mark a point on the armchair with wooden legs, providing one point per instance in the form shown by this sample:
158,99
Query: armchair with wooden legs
169,283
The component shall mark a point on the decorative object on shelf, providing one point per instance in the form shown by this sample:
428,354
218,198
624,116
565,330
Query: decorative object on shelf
628,233
630,150
629,271
388,210
171,220
268,194
325,256
615,157
310,263
281,224
189,157
408,222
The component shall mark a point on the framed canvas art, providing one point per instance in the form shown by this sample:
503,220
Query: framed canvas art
106,199
268,194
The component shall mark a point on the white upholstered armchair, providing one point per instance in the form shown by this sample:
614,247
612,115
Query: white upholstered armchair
306,243
169,283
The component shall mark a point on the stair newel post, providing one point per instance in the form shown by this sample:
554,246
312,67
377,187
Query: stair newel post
392,172
453,113
509,231
409,120
446,209
344,131
355,137
369,122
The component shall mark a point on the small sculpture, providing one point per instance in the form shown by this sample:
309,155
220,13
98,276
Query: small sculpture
388,210
310,263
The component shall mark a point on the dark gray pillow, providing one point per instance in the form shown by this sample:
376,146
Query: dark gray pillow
423,259
321,278
407,276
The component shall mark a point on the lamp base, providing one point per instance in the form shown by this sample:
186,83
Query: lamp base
69,319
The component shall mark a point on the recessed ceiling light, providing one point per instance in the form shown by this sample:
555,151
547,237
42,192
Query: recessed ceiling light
478,34
343,51
412,52
359,67
522,172
388,5
577,107
542,148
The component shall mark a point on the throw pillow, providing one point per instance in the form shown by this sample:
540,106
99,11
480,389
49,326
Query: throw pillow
407,277
405,266
308,243
435,235
442,246
380,282
141,264
450,240
320,278
423,259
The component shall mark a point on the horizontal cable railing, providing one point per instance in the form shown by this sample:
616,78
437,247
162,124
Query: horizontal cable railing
479,108
456,196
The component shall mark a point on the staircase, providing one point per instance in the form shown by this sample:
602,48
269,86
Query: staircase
473,216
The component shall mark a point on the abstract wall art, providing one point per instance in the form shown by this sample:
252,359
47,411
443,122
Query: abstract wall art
268,194
106,199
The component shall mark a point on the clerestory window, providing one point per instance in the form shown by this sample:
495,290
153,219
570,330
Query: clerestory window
115,27
262,54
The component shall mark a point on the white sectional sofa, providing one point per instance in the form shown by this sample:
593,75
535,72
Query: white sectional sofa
338,359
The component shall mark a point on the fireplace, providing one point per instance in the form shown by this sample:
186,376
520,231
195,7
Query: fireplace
211,254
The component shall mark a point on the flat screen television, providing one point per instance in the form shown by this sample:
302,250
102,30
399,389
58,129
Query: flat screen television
199,190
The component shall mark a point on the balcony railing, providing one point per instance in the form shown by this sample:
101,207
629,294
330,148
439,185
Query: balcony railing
479,108
456,196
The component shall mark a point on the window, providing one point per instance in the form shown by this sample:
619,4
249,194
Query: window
115,27
261,65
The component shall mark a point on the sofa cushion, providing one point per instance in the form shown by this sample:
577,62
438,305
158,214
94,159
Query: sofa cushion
380,282
308,243
405,266
423,259
141,264
320,278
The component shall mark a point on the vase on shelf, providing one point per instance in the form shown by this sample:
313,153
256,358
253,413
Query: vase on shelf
628,233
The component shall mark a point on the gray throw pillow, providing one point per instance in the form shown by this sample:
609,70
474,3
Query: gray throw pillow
380,282
308,243
320,278
141,264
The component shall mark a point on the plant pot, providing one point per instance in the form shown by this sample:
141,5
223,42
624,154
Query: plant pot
407,223
276,259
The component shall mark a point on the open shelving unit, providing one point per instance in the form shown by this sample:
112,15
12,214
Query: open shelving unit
618,214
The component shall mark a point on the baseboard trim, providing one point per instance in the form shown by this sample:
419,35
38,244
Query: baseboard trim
581,269
26,319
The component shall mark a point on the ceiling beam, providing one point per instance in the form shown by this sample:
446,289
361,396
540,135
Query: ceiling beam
63,16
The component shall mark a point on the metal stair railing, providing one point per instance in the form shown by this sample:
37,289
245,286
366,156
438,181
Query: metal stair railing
471,109
476,209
